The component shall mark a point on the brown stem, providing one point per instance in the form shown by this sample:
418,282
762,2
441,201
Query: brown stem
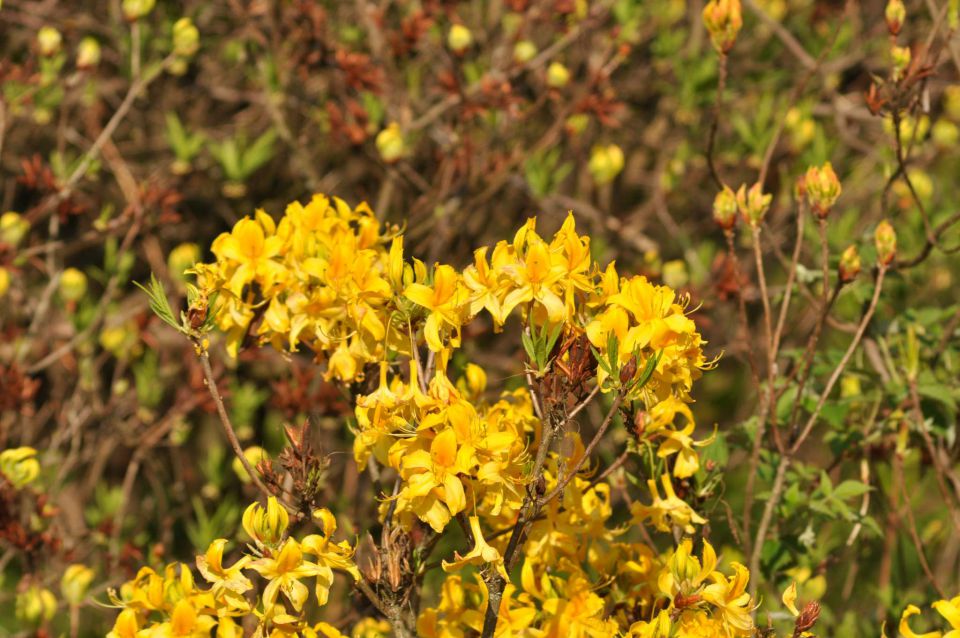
228,430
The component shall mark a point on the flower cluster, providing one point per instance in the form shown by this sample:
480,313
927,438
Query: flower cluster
332,279
171,603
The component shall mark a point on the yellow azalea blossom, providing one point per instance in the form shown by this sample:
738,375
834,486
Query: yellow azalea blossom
482,554
253,251
680,442
328,555
433,489
126,625
266,525
949,609
223,579
184,622
730,597
533,280
284,572
669,510
444,301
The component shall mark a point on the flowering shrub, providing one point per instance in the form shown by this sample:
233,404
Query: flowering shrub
648,329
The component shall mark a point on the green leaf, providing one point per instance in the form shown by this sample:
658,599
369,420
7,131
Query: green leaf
159,303
850,489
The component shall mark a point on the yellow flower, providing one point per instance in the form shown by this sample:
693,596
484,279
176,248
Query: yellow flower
253,251
482,554
75,582
433,490
533,279
224,579
329,555
444,301
949,609
266,525
126,625
730,597
284,571
19,466
667,511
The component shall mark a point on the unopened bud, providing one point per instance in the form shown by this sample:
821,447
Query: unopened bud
725,208
524,51
895,14
822,187
75,583
266,525
459,38
606,162
49,39
133,10
254,455
576,123
476,379
900,58
390,143
885,238
753,204
186,38
849,266
73,284
13,228
557,75
723,19
19,467
4,281
88,53
182,257
35,605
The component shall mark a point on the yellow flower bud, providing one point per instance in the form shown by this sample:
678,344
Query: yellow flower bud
894,15
73,284
186,38
885,239
674,273
725,208
476,379
753,204
945,134
75,583
459,38
49,40
133,10
723,19
19,466
35,605
119,340
254,454
13,228
577,123
88,53
390,143
4,281
900,58
823,188
395,265
524,51
181,258
266,525
557,75
606,162
849,266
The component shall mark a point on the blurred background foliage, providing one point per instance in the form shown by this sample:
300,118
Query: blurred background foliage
130,138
